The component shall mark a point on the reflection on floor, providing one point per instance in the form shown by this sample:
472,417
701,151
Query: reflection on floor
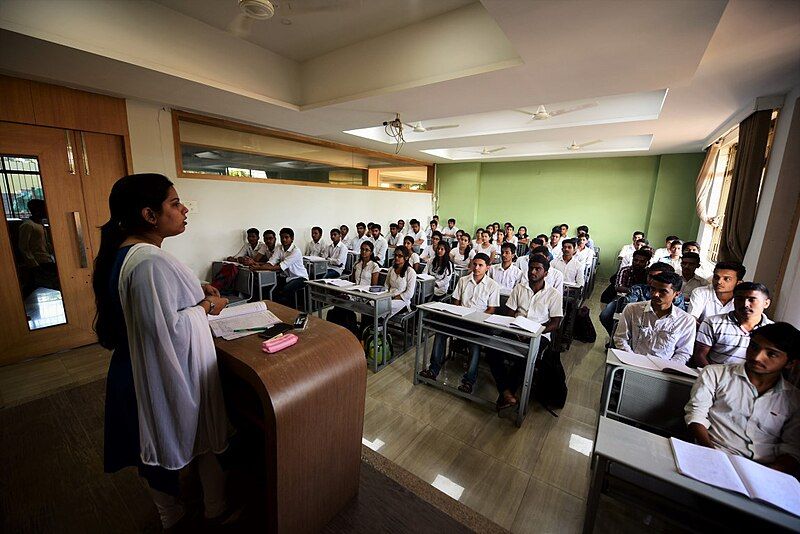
45,307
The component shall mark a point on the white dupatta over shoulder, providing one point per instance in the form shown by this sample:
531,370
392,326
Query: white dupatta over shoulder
178,391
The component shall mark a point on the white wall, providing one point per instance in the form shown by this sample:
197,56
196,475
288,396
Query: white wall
226,209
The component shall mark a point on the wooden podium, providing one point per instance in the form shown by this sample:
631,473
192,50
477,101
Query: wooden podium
309,402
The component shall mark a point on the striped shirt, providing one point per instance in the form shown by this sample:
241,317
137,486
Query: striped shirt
728,340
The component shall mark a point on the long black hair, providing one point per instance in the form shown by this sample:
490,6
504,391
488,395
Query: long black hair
442,264
129,196
406,254
468,248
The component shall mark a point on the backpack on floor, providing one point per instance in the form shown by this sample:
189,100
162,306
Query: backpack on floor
345,318
550,387
374,346
609,294
225,279
584,329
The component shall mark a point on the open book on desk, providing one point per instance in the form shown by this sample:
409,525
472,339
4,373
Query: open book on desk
523,323
654,363
737,473
338,282
460,311
251,317
314,258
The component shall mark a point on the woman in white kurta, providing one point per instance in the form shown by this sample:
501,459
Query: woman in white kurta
164,405
462,255
401,281
441,268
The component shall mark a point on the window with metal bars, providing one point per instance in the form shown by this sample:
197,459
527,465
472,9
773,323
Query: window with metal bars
21,182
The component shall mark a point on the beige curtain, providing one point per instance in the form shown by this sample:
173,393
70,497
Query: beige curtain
740,211
703,185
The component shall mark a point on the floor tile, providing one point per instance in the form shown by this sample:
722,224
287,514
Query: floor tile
563,462
546,509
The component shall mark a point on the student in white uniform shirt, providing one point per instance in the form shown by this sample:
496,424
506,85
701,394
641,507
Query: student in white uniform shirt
317,246
555,243
462,255
413,257
420,239
554,279
381,245
479,292
360,237
541,304
674,256
717,298
366,270
288,260
571,267
706,269
749,409
663,251
510,237
505,273
430,251
346,238
250,251
625,255
656,327
723,339
486,247
270,240
690,261
401,227
401,280
336,254
499,239
441,268
583,252
433,226
451,229
394,239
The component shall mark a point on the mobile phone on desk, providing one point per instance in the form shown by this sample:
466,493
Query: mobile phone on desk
301,321
274,330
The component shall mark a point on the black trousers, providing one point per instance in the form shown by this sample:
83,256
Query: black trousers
284,293
509,376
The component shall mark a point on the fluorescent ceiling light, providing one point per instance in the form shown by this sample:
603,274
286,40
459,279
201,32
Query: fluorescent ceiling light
629,143
606,110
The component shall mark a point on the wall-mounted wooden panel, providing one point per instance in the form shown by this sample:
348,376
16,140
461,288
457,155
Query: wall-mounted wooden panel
63,107
16,103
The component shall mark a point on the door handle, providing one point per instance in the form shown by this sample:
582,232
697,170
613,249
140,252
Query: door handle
84,155
70,154
84,260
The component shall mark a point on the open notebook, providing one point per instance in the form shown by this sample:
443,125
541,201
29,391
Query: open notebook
523,323
654,363
460,311
247,316
737,473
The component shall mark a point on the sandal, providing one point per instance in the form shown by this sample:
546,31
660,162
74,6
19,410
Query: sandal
427,373
506,401
466,387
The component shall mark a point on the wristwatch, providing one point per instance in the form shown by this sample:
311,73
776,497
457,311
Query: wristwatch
211,305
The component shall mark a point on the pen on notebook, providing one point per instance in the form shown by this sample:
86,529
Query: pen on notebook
256,329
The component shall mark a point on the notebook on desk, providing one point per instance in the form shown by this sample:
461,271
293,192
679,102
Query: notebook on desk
654,363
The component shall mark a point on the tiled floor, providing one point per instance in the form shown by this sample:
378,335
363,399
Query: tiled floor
531,479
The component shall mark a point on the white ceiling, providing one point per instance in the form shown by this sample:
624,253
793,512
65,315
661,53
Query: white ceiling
714,57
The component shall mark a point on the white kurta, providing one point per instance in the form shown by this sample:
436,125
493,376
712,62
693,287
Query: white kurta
178,391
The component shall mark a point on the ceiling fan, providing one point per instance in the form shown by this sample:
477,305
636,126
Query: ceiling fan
251,11
485,151
575,146
417,127
541,113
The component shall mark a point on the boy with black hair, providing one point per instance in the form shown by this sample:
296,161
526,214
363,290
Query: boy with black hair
317,246
584,230
346,239
380,244
690,262
250,250
451,229
584,252
625,255
664,251
628,277
505,273
706,269
571,267
430,251
336,254
555,278
287,260
748,409
717,298
554,244
723,339
432,227
417,234
657,327
361,231
394,238
563,228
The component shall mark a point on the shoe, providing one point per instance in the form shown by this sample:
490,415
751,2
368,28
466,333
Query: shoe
465,386
427,373
506,400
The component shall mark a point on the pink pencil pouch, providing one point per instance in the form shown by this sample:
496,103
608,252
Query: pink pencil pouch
272,346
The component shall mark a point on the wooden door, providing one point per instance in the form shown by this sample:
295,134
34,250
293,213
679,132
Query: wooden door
54,153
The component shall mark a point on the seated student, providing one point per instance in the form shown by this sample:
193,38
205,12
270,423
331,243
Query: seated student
555,242
436,218
510,237
480,293
401,227
401,280
706,269
336,254
505,273
664,251
433,226
555,278
413,257
381,245
270,239
366,270
627,277
288,260
690,261
486,246
584,230
495,227
674,255
346,239
451,229
522,236
536,242
462,255
499,239
584,253
564,230
441,268
478,237
717,298
420,239
625,255
250,250
489,230
394,238
360,237
459,234
430,251
657,327
641,292
317,246
748,409
571,267
539,302
724,338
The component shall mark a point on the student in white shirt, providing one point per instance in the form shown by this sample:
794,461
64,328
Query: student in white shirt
336,254
656,327
480,293
401,281
420,239
674,256
451,230
554,278
366,270
538,302
706,269
381,245
690,261
462,255
489,230
505,273
250,250
270,239
317,246
563,229
663,251
522,236
394,239
346,239
441,268
430,251
625,255
584,230
478,238
555,242
748,409
413,257
723,339
360,237
401,227
499,239
432,227
717,298
571,267
510,237
486,247
288,260
583,252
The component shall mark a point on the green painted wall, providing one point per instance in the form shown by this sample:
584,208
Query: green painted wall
612,196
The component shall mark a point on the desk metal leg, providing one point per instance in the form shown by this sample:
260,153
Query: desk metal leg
530,364
595,489
417,349
375,339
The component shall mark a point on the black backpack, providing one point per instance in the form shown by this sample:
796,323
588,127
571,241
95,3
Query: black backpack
550,387
584,329
345,318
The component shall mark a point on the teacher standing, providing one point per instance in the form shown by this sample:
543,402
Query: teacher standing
164,405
